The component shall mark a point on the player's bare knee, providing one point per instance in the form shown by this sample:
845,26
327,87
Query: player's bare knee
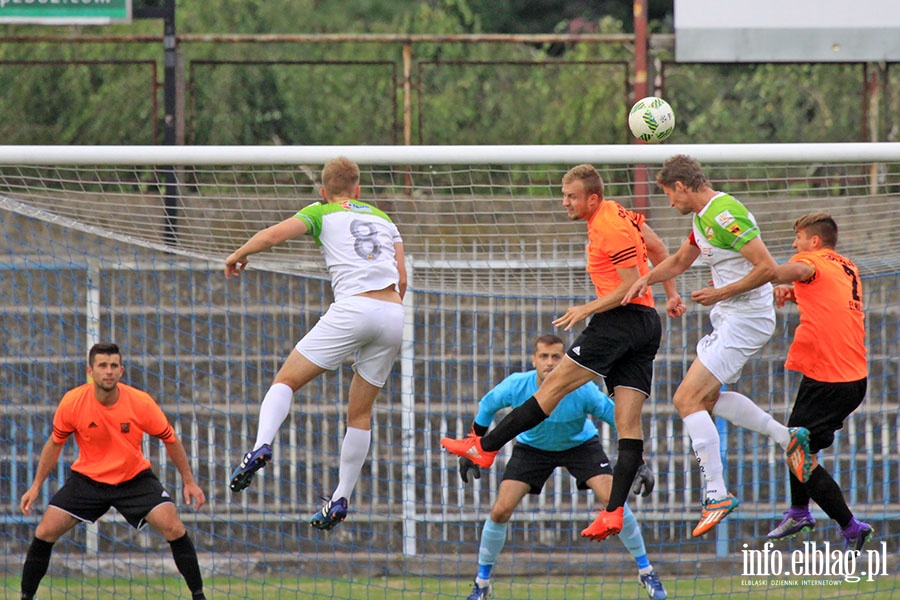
46,534
54,525
629,426
602,486
288,380
501,514
172,531
554,389
687,401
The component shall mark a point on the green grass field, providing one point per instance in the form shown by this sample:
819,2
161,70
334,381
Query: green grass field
399,588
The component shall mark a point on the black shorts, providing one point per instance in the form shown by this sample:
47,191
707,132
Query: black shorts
533,466
621,345
88,500
822,407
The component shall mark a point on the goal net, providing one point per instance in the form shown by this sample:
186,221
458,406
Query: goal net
127,244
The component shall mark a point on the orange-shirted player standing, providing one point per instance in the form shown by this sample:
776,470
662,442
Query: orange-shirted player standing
829,351
109,420
619,344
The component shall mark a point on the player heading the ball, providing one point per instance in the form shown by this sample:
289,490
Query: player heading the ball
619,343
726,238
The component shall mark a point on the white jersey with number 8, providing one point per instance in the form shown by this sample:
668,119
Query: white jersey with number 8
357,240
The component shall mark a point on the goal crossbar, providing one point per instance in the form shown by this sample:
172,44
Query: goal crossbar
446,155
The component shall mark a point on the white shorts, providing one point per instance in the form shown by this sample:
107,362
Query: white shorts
734,339
373,329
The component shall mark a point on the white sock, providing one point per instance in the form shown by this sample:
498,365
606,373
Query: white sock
743,412
354,451
272,412
705,440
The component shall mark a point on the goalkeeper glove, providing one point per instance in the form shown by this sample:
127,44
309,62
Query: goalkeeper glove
466,465
642,479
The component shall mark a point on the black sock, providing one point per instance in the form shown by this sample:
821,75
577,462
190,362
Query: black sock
827,493
36,562
799,495
631,455
185,556
522,418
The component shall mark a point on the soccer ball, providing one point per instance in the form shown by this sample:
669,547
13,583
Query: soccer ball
651,119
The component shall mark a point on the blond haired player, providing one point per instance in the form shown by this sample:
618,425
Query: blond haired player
364,255
619,343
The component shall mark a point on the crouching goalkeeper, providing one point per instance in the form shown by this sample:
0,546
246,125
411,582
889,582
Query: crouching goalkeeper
567,438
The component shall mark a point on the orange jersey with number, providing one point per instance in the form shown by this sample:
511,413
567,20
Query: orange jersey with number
615,242
829,344
109,438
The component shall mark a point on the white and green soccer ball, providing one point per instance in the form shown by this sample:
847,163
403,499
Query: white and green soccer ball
651,119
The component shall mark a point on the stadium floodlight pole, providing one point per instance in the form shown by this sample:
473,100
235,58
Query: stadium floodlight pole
166,12
641,188
169,94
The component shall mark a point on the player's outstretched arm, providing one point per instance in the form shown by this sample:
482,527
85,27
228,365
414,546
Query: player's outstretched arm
793,271
192,491
579,313
763,272
261,241
46,463
657,251
788,273
666,270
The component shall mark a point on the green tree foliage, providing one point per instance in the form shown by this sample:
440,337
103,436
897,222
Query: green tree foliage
352,93
766,103
489,94
76,104
312,103
541,16
291,16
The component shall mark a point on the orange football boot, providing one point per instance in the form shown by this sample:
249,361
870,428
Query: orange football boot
606,524
470,448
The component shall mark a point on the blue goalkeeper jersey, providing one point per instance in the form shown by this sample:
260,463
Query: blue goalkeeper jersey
566,427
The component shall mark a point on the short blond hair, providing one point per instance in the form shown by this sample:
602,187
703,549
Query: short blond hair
589,178
340,177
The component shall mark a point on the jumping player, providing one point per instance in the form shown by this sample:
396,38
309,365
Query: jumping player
619,343
364,256
726,238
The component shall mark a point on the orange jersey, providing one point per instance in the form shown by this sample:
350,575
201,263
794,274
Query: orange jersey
109,438
615,242
829,344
